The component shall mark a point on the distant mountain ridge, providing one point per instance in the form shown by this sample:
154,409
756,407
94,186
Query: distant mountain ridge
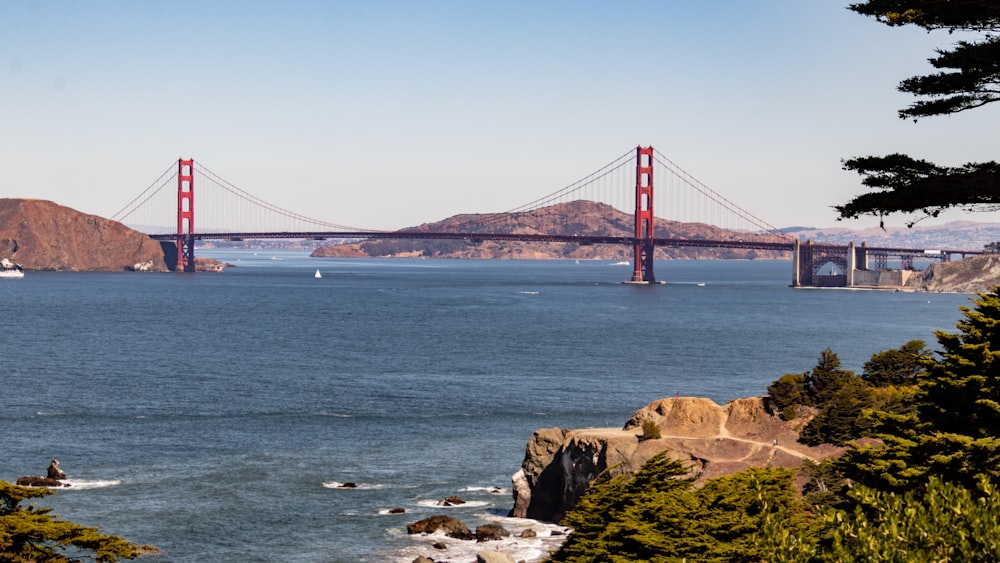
573,218
955,235
599,219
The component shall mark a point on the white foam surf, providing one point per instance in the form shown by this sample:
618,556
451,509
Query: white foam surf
353,486
441,503
548,538
82,484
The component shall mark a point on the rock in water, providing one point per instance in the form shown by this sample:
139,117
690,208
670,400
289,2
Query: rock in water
494,557
53,478
453,527
491,532
54,471
39,481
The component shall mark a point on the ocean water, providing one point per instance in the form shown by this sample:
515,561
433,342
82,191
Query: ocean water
216,415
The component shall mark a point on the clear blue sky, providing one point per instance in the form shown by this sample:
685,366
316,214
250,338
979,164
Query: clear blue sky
393,113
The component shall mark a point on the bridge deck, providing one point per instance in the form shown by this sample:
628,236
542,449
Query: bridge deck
781,246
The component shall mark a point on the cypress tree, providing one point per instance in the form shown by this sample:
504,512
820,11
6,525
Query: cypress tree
954,432
30,534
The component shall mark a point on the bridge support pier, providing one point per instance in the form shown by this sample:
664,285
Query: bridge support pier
796,264
852,264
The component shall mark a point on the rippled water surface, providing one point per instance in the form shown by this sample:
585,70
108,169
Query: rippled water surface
214,415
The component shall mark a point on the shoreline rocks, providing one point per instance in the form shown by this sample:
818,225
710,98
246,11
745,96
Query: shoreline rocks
54,478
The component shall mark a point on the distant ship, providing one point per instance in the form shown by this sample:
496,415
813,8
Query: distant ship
9,269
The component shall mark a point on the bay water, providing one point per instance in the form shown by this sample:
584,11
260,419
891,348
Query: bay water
217,416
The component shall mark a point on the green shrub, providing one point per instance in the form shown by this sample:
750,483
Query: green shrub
650,431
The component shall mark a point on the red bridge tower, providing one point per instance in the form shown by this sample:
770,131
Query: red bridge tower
185,215
643,246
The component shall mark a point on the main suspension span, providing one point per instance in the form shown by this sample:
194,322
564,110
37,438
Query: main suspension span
643,242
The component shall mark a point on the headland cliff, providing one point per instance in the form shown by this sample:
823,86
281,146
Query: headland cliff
42,235
713,440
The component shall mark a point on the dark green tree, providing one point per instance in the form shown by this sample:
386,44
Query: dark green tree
30,534
840,418
788,393
814,388
600,527
968,77
954,431
897,367
657,515
841,398
827,378
944,522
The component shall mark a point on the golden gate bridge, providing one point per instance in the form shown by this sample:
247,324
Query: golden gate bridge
626,184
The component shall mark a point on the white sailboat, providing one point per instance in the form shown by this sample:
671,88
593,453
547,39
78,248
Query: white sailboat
318,275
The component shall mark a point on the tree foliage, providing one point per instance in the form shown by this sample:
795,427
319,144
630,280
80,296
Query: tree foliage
897,367
30,534
954,431
842,398
967,77
944,522
813,387
656,515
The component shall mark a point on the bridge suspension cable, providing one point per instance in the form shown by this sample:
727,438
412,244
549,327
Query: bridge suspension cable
128,213
264,211
608,192
711,195
572,191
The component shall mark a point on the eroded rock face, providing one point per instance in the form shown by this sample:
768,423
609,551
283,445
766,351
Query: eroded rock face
491,532
42,235
712,440
975,274
40,481
452,527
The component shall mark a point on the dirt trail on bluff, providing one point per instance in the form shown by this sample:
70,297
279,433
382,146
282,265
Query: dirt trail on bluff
712,440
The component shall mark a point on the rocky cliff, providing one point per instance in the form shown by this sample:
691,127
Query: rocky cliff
714,440
42,235
975,274
573,218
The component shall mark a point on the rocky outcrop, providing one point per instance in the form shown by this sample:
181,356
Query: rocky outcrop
54,477
55,470
39,481
42,235
491,532
713,440
494,557
452,527
975,274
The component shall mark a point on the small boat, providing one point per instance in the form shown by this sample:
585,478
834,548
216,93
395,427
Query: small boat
318,275
701,284
10,269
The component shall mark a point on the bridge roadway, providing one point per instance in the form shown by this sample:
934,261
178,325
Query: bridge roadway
575,239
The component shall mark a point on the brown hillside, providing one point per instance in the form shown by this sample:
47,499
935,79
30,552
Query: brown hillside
42,235
574,218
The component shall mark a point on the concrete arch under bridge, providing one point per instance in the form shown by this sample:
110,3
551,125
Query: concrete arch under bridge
861,266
